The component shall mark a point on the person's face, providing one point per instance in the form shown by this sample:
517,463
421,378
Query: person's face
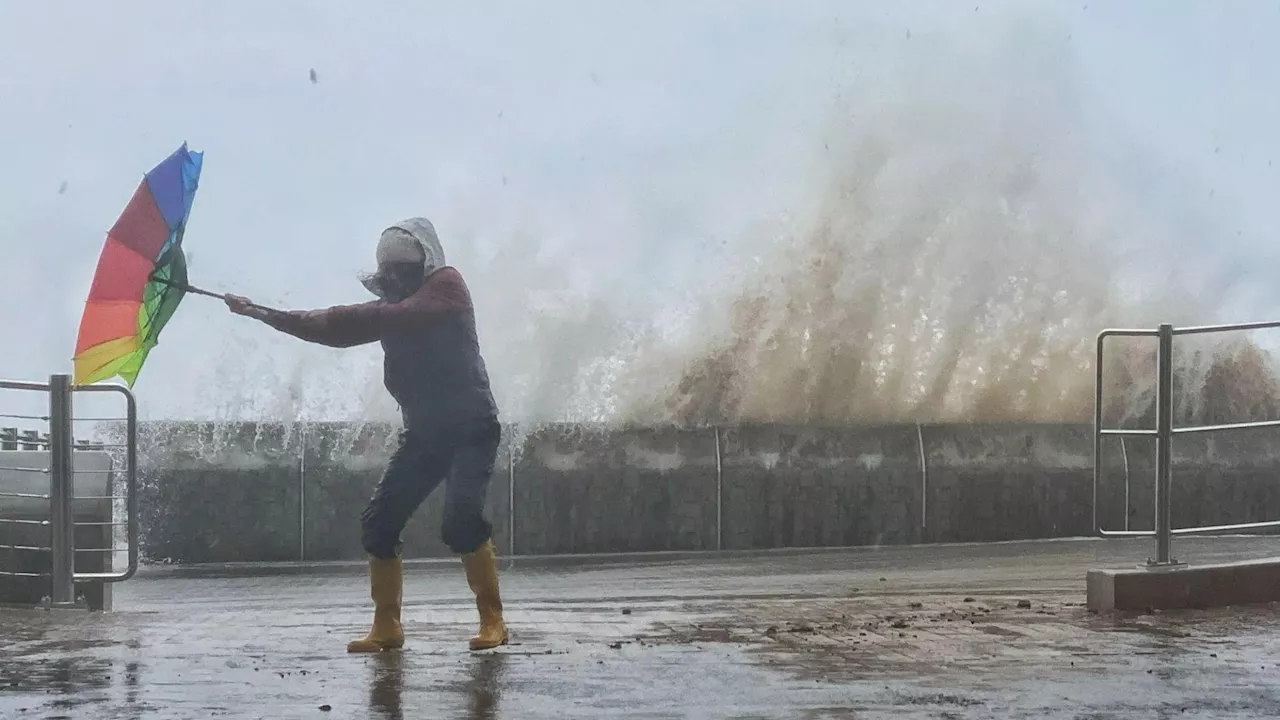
399,281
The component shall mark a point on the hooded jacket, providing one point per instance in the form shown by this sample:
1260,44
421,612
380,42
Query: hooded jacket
432,364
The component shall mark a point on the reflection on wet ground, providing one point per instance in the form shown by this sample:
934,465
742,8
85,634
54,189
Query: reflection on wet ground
386,685
954,632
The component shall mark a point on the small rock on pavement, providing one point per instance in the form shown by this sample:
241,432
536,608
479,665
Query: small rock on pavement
1024,604
326,708
626,611
968,599
916,605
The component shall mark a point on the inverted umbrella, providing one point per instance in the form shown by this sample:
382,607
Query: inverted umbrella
141,275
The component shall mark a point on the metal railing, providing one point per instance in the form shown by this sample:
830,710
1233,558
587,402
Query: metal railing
1164,433
61,445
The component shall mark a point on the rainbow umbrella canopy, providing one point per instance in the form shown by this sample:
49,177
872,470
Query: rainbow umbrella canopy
141,275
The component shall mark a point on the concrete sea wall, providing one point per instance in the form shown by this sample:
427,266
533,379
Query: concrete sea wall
226,493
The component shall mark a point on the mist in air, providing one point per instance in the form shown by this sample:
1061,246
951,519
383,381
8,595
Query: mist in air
667,212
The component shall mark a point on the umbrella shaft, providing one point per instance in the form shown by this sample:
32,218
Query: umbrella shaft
200,291
206,293
189,288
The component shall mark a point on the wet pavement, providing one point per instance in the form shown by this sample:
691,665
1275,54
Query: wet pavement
985,631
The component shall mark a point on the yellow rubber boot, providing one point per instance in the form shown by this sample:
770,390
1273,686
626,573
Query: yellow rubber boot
386,587
482,576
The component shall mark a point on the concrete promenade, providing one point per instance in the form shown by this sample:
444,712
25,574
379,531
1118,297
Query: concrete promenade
962,631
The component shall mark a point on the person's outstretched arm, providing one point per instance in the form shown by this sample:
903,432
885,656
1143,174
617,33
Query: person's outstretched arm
350,325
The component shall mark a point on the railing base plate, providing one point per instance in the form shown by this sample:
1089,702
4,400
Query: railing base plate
78,604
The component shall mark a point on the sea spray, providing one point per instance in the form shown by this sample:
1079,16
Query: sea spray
967,243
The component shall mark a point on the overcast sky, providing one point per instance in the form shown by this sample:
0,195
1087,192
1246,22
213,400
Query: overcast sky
570,153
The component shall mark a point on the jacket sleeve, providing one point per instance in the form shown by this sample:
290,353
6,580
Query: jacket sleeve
344,326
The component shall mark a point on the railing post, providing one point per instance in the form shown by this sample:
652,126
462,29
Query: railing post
61,491
511,491
1128,499
1097,428
302,493
924,483
1164,443
719,490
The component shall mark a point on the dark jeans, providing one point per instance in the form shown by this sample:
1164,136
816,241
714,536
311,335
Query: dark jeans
462,456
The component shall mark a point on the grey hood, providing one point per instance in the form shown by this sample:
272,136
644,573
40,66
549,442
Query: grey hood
411,241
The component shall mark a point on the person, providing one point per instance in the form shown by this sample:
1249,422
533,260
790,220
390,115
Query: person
424,319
